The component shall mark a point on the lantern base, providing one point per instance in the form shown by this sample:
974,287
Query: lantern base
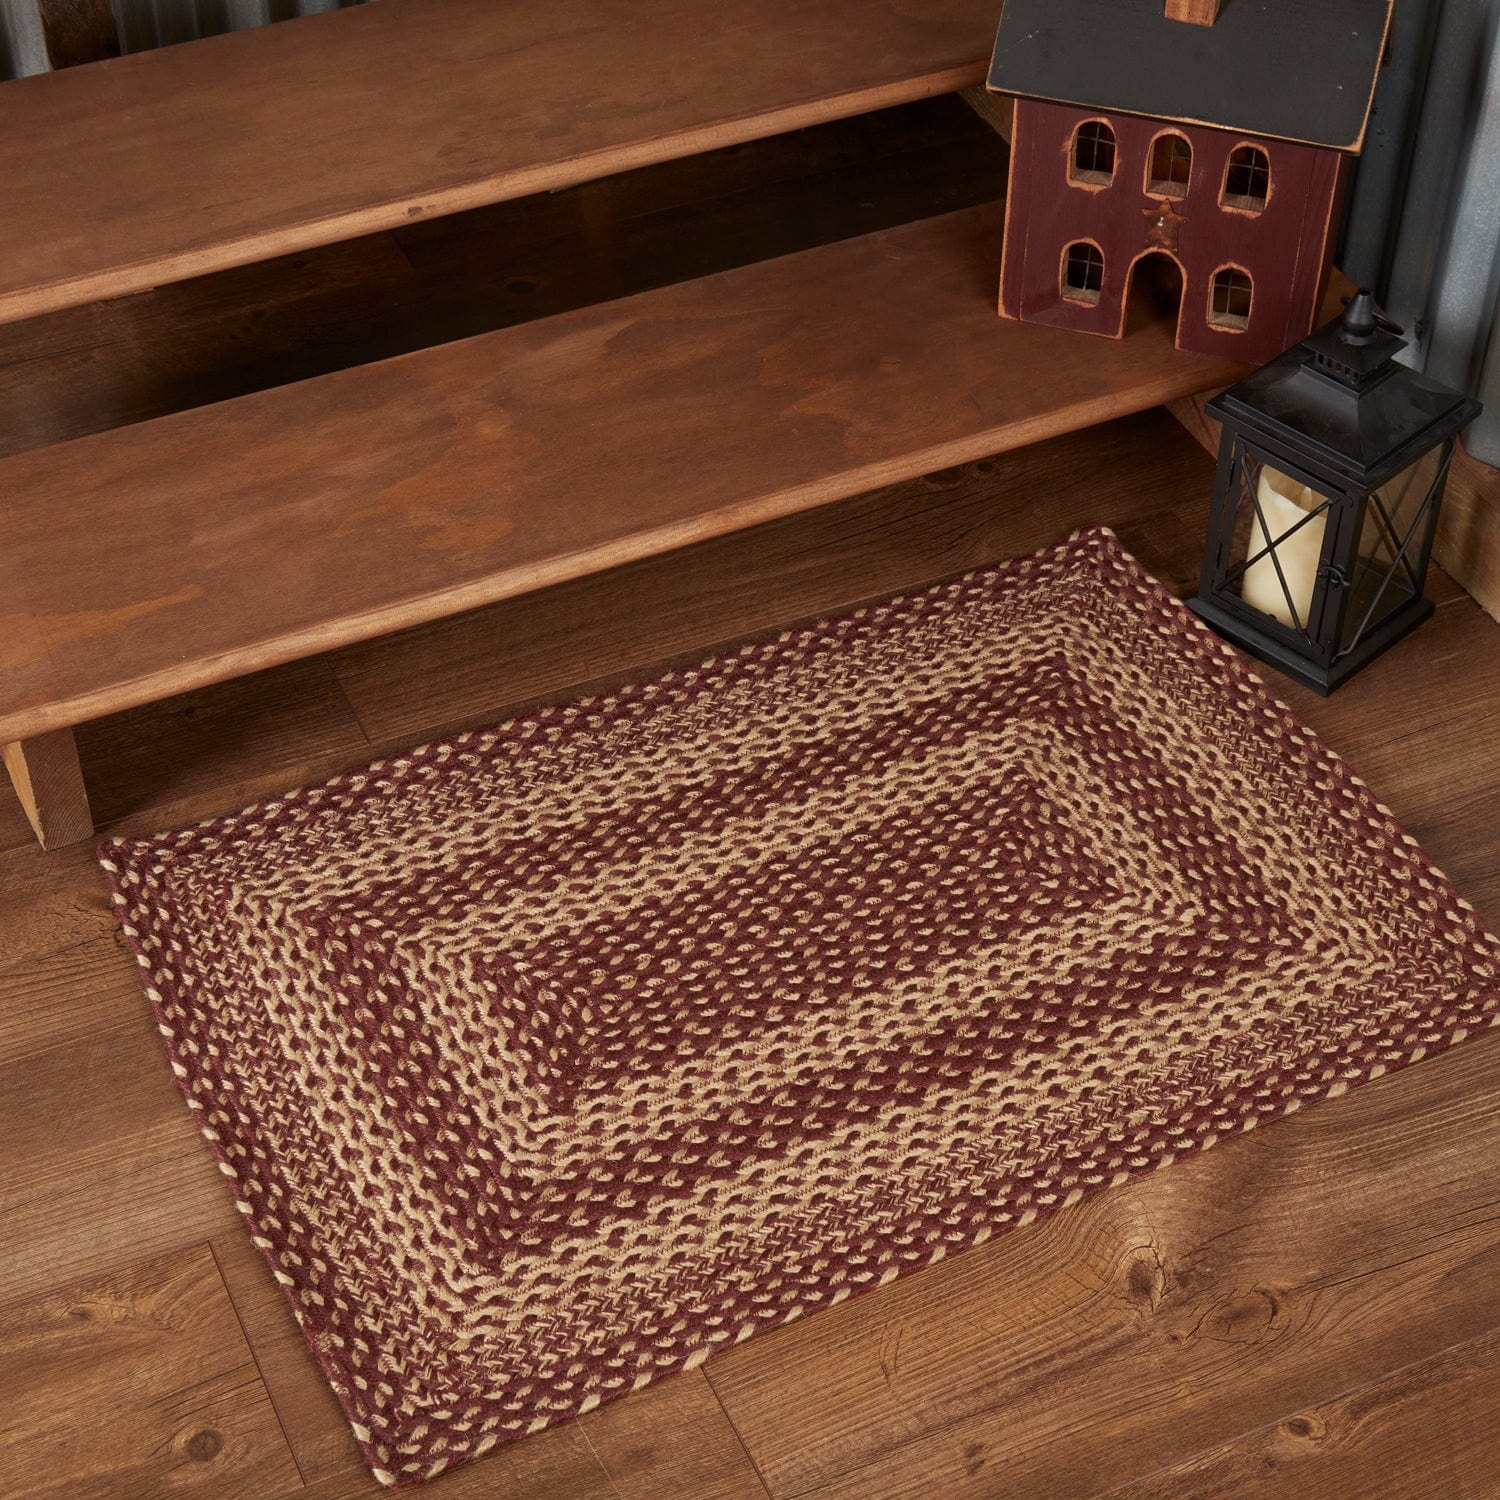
1286,659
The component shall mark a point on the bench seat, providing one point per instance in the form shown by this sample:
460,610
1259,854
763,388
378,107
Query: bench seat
183,551
148,169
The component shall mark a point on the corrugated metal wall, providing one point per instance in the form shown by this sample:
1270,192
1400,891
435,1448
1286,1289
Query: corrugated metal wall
21,49
1423,223
158,23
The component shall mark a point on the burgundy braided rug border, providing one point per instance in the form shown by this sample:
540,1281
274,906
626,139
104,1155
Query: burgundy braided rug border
550,1059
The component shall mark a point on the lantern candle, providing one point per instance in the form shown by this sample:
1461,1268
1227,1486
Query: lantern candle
1368,440
1284,502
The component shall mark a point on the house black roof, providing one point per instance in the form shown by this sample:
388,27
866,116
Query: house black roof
1301,70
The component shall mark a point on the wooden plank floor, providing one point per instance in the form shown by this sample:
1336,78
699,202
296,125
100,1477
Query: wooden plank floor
1296,1310
1311,1310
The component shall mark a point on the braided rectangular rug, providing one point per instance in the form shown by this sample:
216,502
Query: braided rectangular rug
554,1058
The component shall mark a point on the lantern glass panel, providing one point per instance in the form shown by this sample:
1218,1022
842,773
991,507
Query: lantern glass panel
1394,540
1277,543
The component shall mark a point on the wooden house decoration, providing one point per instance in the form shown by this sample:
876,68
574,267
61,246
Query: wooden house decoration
1216,133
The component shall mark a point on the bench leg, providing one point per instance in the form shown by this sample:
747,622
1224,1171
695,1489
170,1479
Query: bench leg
49,782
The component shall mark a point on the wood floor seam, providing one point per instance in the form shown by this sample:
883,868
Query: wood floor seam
260,1375
738,1436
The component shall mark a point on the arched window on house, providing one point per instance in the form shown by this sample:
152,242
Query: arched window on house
1082,271
1229,297
1247,180
1170,166
1092,161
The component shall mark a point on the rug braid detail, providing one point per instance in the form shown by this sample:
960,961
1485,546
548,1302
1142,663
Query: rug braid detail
555,1057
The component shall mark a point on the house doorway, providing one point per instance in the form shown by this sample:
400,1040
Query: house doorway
1155,291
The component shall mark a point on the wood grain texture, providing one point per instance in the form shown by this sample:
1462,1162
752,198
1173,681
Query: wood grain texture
135,1384
1370,1219
998,111
668,609
81,991
167,164
48,783
1275,1271
673,1442
238,536
50,904
1468,539
217,735
102,1163
106,364
679,1443
1412,1433
309,1412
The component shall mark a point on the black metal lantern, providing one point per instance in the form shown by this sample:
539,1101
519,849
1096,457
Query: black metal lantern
1331,473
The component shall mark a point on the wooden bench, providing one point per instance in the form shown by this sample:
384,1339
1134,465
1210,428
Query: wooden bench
147,169
196,547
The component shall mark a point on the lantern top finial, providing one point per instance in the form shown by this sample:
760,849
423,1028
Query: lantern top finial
1344,403
1361,320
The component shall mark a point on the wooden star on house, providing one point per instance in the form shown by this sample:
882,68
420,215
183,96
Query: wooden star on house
1162,221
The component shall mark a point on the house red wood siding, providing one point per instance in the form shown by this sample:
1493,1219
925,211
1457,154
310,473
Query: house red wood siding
1285,248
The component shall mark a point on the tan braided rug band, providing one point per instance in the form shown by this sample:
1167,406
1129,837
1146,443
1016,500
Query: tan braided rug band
554,1058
